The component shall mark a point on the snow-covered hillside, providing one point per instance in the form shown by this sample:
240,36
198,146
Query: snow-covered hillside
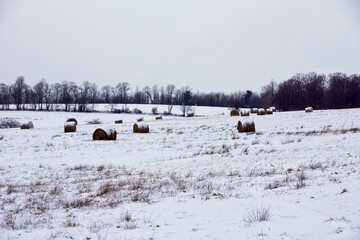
297,177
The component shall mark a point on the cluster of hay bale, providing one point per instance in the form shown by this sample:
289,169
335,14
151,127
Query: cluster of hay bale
309,109
70,127
118,121
260,111
234,113
246,126
27,125
245,113
141,128
105,133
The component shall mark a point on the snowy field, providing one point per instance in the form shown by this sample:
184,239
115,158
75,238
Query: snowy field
297,177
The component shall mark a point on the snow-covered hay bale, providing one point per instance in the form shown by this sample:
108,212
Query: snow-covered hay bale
246,126
27,125
141,128
140,119
72,120
190,114
245,113
105,133
253,110
118,121
261,111
309,109
273,109
70,127
234,113
269,111
158,117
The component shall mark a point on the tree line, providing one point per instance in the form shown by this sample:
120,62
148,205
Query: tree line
336,90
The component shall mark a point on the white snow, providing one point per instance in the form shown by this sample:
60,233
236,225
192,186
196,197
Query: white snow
247,121
109,129
309,109
190,178
70,124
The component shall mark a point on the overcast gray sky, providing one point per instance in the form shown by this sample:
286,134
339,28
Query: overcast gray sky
210,45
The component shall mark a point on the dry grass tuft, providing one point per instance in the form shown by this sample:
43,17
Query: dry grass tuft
9,123
94,122
257,215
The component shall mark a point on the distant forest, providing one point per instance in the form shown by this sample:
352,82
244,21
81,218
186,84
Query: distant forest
319,91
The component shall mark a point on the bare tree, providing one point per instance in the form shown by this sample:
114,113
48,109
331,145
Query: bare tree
148,95
18,91
107,93
40,90
5,96
267,94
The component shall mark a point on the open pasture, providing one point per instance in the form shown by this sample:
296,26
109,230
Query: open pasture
189,178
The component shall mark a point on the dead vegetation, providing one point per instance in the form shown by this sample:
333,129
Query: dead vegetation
9,123
260,214
321,132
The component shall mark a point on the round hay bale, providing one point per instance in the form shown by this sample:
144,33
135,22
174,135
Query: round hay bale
27,125
309,109
72,120
234,113
70,127
118,121
141,128
269,111
253,110
158,117
190,114
245,113
246,126
261,111
105,133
